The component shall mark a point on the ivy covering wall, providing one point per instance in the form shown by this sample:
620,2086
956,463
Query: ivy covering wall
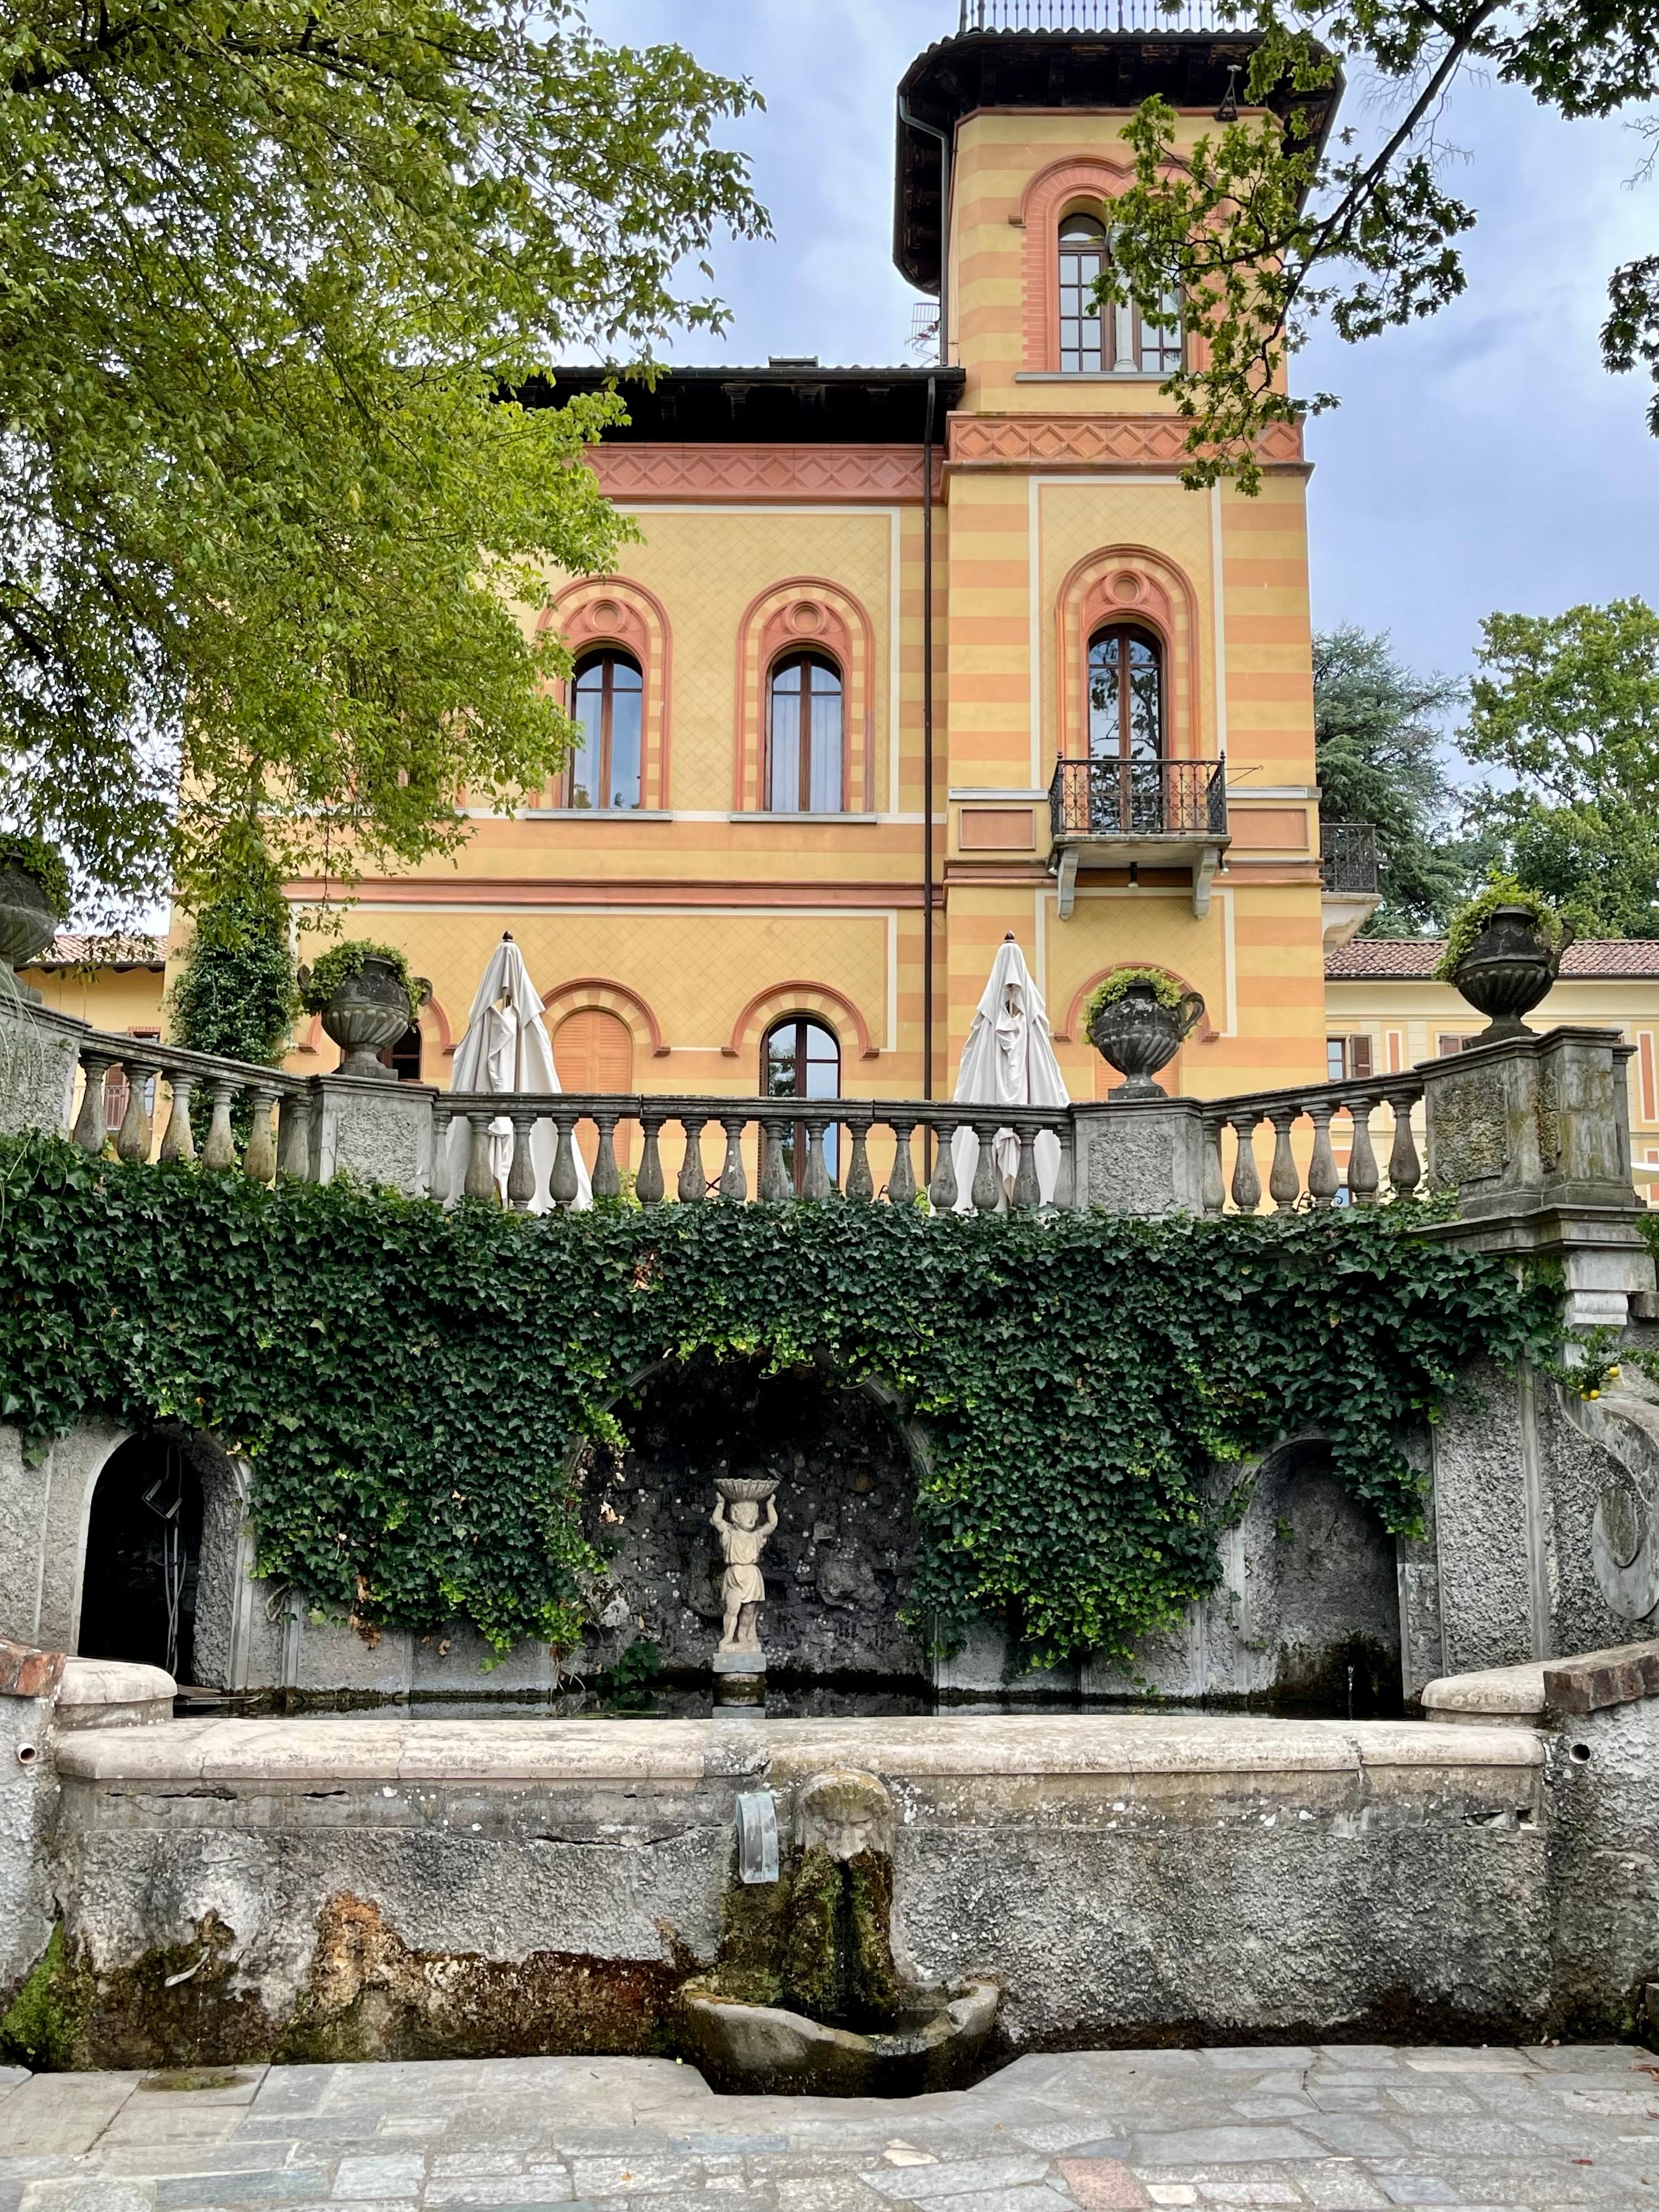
407,1383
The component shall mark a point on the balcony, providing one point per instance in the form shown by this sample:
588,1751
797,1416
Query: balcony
1111,17
1154,813
1348,877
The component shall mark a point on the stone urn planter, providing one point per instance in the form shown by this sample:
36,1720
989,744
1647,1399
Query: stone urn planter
1137,1033
367,1011
1509,969
28,920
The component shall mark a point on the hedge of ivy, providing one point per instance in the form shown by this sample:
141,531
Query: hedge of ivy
406,1382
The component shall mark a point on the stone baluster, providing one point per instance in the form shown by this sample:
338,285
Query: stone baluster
775,1182
860,1183
693,1185
219,1152
564,1185
1066,1179
1027,1191
942,1190
607,1177
294,1136
132,1138
1322,1167
1215,1181
259,1161
1247,1179
1283,1177
437,1187
90,1128
734,1181
1363,1176
647,1182
815,1173
521,1175
480,1168
901,1176
1405,1168
179,1138
988,1179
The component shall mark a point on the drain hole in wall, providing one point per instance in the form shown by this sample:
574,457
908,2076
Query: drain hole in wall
1581,1752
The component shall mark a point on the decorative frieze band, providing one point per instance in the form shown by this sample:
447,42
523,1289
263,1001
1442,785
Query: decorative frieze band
888,473
1142,441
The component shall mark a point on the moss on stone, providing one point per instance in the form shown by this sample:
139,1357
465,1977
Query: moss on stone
876,1992
42,2026
814,1981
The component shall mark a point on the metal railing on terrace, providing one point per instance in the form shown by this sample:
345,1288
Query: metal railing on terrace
1347,857
1138,17
692,1149
1115,797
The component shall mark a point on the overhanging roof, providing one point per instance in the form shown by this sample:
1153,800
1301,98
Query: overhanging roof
792,404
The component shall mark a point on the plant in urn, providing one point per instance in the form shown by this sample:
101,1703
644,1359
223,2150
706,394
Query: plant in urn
366,998
1503,954
1138,1020
34,897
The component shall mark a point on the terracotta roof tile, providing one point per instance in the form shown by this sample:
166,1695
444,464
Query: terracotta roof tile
1412,959
70,951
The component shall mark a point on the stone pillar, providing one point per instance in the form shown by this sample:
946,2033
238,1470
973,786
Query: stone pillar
376,1132
1534,1136
40,1053
1143,1158
28,1804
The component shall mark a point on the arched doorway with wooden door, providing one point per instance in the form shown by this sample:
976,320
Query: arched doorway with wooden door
593,1050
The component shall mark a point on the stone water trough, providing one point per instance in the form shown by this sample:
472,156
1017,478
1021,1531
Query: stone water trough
233,1889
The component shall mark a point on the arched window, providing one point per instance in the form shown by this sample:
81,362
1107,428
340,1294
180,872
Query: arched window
605,701
593,1052
1082,259
806,748
1121,341
1126,694
800,1058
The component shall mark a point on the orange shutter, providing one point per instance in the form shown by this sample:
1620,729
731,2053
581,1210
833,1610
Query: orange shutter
594,1051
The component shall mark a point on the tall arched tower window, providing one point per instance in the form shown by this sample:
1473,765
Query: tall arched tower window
606,697
801,1059
1126,694
806,762
1120,340
1082,261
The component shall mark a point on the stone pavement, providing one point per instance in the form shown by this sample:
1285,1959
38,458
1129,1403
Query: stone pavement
1342,2127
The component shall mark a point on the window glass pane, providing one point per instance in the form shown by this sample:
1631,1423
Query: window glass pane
784,780
624,776
587,706
825,796
1104,719
1335,1059
1146,708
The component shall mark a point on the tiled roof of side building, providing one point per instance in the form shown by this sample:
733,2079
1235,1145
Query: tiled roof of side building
1412,959
69,950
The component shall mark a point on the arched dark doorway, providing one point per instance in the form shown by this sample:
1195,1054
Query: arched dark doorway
837,1567
1322,1587
143,1547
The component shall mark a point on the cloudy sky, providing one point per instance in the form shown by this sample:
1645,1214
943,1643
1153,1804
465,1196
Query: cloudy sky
1481,460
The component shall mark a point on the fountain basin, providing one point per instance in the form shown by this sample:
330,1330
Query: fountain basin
936,2044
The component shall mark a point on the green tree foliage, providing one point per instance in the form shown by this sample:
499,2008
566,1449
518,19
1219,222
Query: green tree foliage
1377,749
408,1382
235,991
1264,230
272,534
1567,706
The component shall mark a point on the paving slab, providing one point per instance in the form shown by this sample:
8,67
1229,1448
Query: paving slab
1345,2128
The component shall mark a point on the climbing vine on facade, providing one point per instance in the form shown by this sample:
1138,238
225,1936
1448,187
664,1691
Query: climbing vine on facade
407,1383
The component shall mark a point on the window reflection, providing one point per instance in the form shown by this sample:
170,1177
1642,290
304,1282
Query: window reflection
800,1058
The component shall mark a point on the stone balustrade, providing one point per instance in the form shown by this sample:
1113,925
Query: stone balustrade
1289,1183
149,1067
743,1148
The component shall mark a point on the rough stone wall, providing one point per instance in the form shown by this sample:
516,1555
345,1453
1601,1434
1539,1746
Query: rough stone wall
836,1568
43,1527
1604,1866
28,1811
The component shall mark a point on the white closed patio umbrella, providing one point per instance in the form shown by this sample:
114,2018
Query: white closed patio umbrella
1008,1061
506,1047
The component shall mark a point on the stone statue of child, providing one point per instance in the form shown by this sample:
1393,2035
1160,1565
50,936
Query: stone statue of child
743,1537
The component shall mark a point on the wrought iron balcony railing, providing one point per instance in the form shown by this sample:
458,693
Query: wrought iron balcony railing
1116,798
1139,16
1347,857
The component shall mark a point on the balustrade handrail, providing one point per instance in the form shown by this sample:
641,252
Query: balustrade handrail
152,1053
